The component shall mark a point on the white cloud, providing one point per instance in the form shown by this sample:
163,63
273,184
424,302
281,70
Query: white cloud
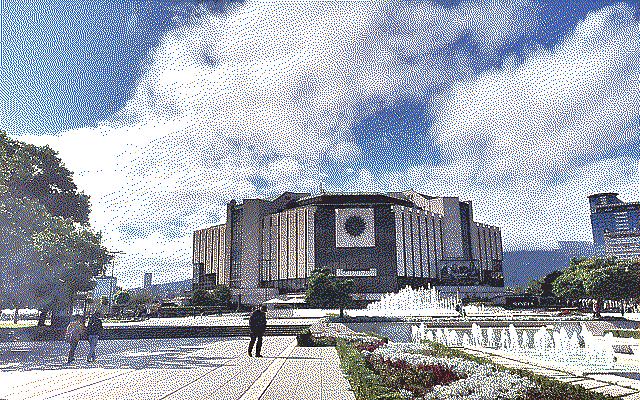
560,109
260,93
528,143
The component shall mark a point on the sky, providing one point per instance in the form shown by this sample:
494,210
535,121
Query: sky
166,110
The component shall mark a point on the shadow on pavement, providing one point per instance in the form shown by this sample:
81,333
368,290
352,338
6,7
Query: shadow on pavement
111,354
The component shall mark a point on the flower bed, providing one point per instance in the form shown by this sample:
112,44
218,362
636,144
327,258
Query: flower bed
416,371
379,370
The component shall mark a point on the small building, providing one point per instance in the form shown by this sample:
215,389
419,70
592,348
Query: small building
383,241
148,278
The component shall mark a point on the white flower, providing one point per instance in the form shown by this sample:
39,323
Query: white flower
478,381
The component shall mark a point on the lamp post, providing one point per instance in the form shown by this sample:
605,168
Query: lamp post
112,284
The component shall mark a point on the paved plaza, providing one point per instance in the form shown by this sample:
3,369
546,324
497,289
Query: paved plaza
212,368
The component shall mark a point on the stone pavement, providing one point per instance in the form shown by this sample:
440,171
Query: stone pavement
605,383
172,369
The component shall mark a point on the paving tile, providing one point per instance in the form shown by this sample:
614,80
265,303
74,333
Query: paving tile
613,390
590,384
568,379
197,370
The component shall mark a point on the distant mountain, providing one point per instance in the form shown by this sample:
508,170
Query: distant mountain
172,289
521,266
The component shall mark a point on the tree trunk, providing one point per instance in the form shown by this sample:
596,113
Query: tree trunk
341,313
15,315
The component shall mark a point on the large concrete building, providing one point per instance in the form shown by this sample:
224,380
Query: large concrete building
381,241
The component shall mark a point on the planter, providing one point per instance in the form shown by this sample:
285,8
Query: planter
304,339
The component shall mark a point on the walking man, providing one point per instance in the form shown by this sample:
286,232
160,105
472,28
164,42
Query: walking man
94,330
75,332
257,326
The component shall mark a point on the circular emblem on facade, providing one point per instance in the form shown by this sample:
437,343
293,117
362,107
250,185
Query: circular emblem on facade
355,225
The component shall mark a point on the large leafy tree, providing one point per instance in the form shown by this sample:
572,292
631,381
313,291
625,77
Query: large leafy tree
47,250
327,291
571,284
599,278
543,286
37,173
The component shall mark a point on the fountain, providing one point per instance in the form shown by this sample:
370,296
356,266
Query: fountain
579,349
491,338
409,302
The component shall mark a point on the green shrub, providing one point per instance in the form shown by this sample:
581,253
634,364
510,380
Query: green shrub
366,384
625,333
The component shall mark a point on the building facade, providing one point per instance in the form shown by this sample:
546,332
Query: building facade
624,245
611,215
383,241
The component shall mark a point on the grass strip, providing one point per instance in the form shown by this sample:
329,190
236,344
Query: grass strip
366,384
625,333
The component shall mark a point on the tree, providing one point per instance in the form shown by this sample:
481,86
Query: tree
220,295
614,282
47,249
599,278
141,300
570,284
326,291
543,286
200,298
36,173
121,298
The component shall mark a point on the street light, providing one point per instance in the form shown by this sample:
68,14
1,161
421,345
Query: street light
112,286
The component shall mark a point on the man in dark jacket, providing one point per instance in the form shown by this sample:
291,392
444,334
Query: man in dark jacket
94,330
257,326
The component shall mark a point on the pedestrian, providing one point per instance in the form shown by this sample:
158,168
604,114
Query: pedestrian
94,331
75,332
596,309
257,326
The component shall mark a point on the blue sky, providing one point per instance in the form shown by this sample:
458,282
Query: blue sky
523,106
68,64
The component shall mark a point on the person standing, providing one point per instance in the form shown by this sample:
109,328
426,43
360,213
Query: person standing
75,332
257,326
94,330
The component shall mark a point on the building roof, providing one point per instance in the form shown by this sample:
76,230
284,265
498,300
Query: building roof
353,198
602,194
